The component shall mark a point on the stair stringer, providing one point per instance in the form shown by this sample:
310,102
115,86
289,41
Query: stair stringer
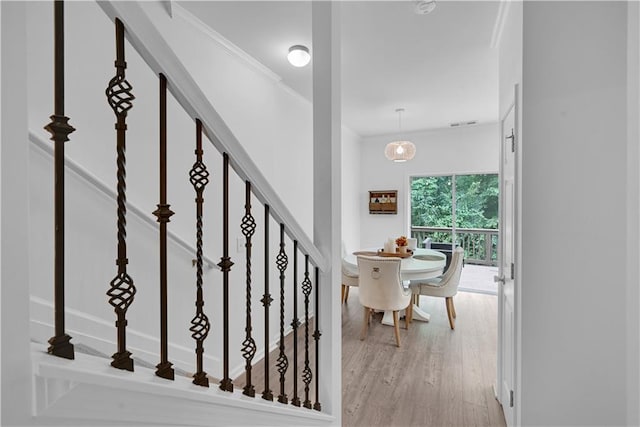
89,391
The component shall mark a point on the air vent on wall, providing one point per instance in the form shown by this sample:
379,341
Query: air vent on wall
460,124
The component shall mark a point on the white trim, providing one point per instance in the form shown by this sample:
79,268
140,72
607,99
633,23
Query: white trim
499,361
90,179
327,186
633,212
89,392
517,225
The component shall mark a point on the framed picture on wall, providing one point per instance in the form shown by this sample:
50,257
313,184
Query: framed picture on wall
383,202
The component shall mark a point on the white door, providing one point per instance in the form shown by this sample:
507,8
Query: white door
506,272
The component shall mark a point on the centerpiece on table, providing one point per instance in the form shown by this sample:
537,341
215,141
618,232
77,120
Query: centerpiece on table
402,243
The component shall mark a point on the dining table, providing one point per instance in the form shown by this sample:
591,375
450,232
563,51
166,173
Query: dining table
421,264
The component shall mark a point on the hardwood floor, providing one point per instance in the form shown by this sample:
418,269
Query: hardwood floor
438,377
258,374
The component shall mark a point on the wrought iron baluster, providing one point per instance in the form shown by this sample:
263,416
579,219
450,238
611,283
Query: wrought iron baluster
199,178
59,128
163,214
266,302
248,227
307,376
122,290
283,362
294,324
225,265
316,337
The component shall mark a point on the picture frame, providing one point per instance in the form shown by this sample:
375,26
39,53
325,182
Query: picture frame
383,202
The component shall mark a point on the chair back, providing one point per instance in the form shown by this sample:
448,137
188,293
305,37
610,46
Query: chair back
451,278
380,284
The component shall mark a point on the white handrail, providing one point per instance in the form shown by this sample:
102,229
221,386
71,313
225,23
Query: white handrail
104,189
148,41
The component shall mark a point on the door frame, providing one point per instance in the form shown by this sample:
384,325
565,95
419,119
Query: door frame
517,341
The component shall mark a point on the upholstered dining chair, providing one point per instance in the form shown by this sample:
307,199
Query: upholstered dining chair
381,289
349,278
445,286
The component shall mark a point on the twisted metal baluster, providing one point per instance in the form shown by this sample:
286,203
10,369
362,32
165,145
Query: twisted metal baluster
266,302
283,362
316,337
294,324
225,265
122,290
199,178
307,376
248,227
59,128
163,214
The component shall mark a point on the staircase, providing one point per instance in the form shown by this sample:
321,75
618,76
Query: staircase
191,335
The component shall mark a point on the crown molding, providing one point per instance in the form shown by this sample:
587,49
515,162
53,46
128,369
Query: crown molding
229,47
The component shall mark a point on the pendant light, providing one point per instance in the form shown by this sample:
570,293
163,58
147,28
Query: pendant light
401,150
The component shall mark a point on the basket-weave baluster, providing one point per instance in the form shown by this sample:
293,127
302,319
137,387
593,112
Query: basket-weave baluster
121,289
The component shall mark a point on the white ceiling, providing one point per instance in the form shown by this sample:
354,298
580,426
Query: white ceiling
440,67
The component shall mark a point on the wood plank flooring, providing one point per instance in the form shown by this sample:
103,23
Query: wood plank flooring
438,377
258,373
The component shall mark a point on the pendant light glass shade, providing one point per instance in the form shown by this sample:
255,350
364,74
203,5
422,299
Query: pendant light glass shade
400,151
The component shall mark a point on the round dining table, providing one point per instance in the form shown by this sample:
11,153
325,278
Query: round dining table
421,265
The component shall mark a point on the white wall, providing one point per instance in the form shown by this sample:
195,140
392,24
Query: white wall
14,223
273,124
574,223
351,200
473,149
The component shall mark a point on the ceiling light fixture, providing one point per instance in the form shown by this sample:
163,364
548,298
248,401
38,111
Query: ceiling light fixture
424,7
299,55
400,151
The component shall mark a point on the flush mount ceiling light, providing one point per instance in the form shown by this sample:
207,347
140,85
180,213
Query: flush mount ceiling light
299,55
401,150
424,7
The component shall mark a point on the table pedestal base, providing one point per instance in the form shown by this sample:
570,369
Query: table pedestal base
418,314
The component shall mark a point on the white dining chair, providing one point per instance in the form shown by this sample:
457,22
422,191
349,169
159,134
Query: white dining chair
381,289
349,278
445,286
349,275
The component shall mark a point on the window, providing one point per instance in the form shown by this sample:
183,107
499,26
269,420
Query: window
458,208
